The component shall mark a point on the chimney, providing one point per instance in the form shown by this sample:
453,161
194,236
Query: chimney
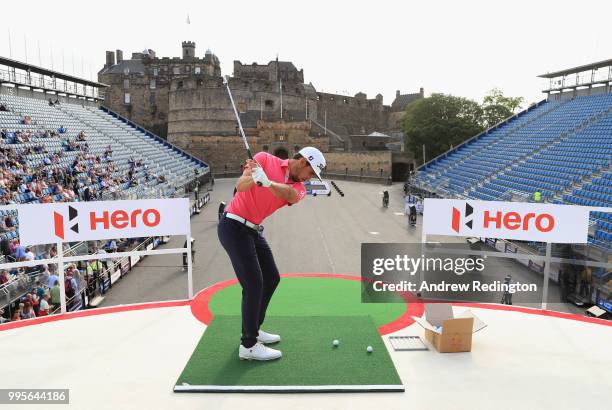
110,59
397,93
119,56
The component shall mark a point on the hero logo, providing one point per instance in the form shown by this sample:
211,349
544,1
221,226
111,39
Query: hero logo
510,220
118,219
457,217
121,219
58,222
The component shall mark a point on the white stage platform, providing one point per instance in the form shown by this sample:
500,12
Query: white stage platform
131,359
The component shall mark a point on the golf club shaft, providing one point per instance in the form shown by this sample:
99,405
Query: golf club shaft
244,139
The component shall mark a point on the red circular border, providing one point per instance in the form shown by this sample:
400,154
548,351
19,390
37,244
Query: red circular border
199,306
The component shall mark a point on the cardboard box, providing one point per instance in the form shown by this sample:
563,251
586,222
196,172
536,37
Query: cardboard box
449,334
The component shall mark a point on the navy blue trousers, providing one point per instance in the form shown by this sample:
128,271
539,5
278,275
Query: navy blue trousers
255,269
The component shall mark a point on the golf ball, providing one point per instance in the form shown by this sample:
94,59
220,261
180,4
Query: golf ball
336,342
370,349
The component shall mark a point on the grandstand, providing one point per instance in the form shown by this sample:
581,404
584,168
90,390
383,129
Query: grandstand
61,146
102,130
560,147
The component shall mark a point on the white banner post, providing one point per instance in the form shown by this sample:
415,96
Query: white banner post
60,268
189,268
546,275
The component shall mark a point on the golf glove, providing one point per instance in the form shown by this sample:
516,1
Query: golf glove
260,176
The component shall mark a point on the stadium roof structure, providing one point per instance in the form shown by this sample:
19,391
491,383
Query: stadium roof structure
587,75
35,77
578,69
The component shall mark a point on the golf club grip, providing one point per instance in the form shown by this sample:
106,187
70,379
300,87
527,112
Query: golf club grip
251,157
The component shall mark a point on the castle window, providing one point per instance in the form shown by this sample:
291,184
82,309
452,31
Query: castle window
269,104
176,70
152,84
126,71
155,72
265,148
197,70
345,101
126,84
200,82
126,98
179,85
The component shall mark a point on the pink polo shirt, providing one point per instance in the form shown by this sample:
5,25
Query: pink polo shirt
258,203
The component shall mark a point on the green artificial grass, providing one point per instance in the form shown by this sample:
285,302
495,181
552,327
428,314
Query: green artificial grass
304,296
309,358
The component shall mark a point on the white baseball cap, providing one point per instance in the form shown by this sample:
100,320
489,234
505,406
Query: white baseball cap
315,159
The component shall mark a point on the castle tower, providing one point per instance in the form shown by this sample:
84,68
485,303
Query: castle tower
188,50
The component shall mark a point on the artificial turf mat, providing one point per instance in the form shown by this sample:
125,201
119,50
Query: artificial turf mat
304,296
310,363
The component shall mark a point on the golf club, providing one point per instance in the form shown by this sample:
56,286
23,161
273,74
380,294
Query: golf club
244,139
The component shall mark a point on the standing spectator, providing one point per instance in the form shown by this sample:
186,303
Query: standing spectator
111,246
44,308
43,277
70,284
586,278
55,294
20,252
507,296
40,289
53,277
192,254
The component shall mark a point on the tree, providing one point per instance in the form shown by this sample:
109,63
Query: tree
496,107
440,121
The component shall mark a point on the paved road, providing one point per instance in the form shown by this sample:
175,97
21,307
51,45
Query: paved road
320,234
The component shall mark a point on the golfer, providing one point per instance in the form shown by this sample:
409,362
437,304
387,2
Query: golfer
267,184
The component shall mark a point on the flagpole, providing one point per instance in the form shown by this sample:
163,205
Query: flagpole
10,44
281,91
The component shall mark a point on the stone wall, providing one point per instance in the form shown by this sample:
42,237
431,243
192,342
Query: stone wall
359,163
225,154
356,115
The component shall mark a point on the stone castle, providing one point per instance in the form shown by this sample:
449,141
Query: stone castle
185,100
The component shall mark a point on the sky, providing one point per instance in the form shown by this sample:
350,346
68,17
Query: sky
460,47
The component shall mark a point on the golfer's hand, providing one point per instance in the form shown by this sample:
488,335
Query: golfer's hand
249,166
260,177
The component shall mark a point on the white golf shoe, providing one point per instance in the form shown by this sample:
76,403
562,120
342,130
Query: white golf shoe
258,352
267,338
